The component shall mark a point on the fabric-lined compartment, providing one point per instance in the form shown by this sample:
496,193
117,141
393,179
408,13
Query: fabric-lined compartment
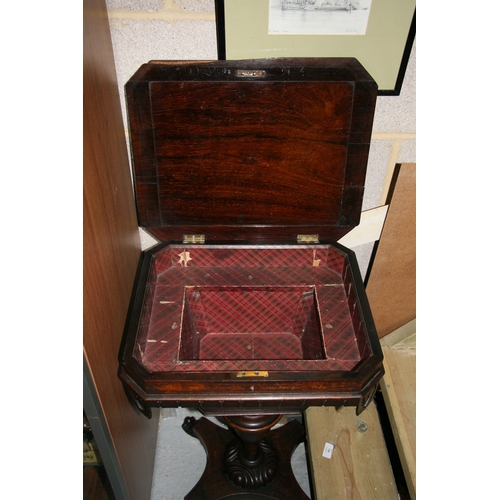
252,322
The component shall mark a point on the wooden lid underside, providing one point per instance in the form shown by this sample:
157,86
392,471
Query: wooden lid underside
250,158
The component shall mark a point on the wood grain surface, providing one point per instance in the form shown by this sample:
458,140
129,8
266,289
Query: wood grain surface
111,253
399,390
252,158
359,467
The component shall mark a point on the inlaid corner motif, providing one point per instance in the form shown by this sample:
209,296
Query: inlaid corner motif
184,258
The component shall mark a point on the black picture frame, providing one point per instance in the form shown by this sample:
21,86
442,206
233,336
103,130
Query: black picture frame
396,91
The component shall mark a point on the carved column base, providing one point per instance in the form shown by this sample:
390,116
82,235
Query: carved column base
250,475
255,469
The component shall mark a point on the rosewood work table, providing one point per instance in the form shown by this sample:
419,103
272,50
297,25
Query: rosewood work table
248,173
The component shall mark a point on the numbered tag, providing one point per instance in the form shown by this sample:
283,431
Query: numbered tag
328,449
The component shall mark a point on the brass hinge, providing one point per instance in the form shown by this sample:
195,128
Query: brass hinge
193,239
307,238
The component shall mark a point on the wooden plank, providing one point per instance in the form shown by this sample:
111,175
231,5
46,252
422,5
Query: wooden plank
402,334
394,265
399,390
359,467
111,252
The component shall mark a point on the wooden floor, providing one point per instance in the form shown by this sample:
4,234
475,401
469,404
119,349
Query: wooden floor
96,484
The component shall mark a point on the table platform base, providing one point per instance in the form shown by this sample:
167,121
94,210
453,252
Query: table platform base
258,468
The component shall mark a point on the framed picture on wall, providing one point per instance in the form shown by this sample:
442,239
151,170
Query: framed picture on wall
379,33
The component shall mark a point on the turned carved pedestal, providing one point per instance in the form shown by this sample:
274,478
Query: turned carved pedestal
249,461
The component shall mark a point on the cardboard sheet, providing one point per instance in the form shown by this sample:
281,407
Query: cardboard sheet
391,286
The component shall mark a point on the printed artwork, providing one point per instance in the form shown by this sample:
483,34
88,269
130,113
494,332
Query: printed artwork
318,17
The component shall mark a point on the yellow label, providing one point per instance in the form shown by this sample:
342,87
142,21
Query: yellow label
253,373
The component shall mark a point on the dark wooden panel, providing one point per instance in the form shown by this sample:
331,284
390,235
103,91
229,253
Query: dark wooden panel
111,252
251,155
365,98
144,158
279,69
357,159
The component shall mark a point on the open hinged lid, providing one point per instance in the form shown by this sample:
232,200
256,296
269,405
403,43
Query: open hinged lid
250,151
